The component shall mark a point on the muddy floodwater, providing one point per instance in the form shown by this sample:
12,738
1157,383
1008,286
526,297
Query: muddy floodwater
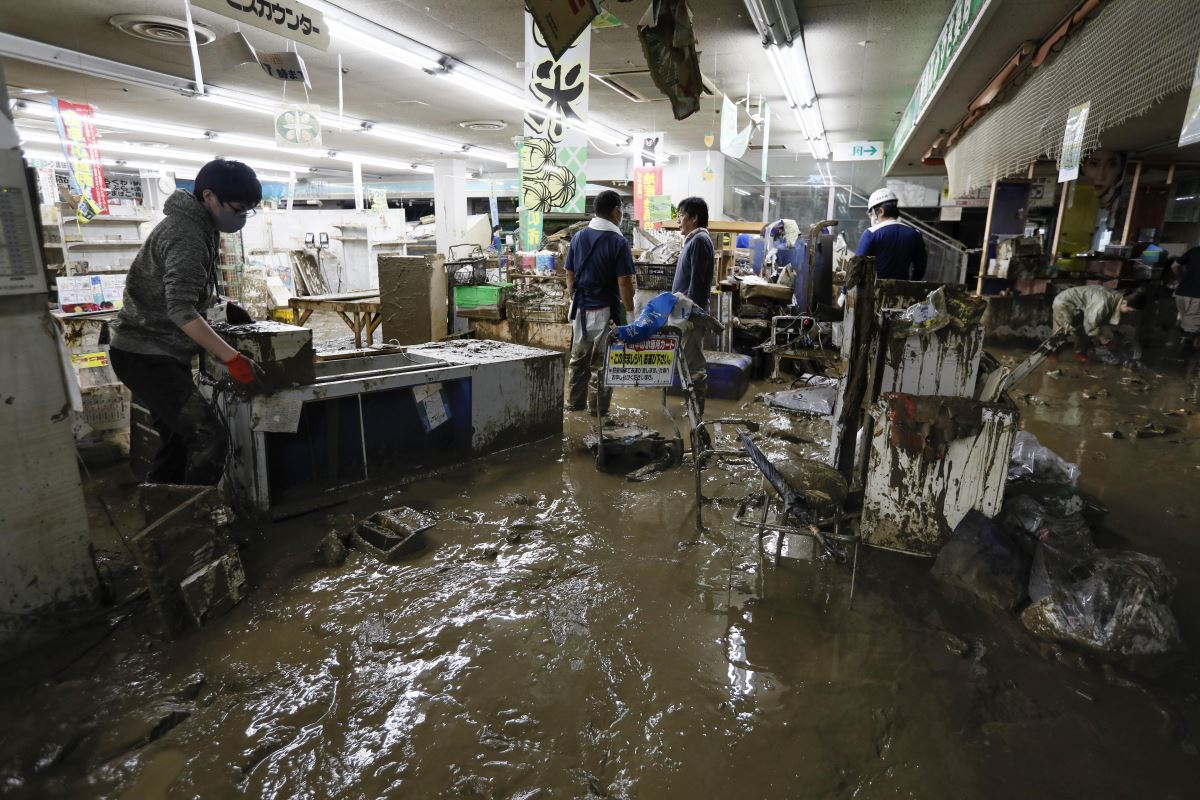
567,633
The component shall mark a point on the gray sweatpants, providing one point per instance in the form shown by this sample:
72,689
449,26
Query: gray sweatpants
587,359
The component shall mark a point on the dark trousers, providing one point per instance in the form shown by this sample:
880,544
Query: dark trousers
194,440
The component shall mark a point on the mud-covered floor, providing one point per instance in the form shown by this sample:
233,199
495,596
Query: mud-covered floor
567,633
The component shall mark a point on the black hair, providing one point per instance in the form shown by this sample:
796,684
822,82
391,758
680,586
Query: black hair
605,203
889,209
230,181
1136,299
695,207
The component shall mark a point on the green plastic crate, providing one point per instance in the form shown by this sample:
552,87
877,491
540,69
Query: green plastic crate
487,294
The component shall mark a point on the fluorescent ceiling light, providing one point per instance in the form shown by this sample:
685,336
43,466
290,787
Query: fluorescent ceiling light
741,191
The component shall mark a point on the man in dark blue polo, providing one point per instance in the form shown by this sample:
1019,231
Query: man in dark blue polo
600,284
693,277
899,249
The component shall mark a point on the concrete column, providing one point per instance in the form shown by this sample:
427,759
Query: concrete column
683,177
450,202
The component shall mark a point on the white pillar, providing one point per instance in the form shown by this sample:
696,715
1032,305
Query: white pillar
450,202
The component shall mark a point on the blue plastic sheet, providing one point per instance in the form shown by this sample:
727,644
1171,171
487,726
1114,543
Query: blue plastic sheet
650,321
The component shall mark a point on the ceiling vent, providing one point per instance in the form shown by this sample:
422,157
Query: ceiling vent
771,148
484,125
160,30
636,85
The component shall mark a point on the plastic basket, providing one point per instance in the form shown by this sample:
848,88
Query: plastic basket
469,270
488,294
536,312
655,276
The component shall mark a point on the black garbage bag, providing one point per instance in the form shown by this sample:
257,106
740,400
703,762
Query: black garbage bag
1114,604
982,560
669,44
1029,521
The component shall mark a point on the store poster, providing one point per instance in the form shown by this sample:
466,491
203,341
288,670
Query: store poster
553,155
86,293
298,126
733,141
80,144
1072,144
647,183
287,18
658,208
651,148
285,66
1191,119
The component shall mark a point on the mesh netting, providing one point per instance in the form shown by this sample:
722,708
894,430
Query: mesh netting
1123,61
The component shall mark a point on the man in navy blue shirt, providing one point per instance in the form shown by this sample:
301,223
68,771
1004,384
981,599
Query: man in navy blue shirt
1187,300
899,250
600,284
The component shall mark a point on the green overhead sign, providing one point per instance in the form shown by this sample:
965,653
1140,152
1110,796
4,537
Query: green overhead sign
955,33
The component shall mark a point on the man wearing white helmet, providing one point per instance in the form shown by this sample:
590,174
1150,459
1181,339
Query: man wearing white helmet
899,249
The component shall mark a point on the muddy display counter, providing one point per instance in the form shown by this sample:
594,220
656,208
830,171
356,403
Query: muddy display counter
389,416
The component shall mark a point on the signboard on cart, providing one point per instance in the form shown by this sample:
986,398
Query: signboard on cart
647,363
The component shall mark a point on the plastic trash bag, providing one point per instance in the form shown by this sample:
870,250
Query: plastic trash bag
924,317
1031,461
982,560
1113,604
1027,519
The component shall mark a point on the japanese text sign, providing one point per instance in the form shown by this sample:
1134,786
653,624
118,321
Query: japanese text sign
286,66
647,182
288,18
77,132
1072,146
647,363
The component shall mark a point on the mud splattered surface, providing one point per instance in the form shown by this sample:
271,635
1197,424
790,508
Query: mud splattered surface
567,633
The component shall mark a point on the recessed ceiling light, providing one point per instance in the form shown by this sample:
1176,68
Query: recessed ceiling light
160,30
484,125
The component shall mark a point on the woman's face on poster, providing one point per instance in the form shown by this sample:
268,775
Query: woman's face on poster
1103,169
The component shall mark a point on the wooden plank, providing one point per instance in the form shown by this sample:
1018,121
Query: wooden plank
987,233
1137,178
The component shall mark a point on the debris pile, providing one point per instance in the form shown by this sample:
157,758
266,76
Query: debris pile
1038,558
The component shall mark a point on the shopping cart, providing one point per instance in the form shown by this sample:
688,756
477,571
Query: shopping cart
468,270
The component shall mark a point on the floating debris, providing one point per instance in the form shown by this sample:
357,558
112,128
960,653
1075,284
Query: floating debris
1114,435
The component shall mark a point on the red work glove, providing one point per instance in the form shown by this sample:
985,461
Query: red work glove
241,369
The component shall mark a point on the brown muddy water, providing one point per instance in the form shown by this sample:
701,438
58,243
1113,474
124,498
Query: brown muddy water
567,633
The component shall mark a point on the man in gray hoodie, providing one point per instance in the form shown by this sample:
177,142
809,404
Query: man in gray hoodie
161,326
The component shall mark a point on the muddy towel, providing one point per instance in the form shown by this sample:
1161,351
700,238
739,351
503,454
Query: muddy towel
928,423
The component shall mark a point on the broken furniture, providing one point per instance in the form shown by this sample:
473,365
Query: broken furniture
324,429
809,501
914,432
359,310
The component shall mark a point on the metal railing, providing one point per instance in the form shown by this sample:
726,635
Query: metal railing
947,257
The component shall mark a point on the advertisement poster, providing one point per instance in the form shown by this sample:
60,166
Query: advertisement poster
80,144
82,294
1072,146
647,363
647,182
658,208
553,153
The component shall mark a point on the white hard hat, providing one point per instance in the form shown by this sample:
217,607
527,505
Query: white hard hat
884,195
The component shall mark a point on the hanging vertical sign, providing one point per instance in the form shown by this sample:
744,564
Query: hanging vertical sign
554,149
647,183
650,149
733,141
77,133
1072,145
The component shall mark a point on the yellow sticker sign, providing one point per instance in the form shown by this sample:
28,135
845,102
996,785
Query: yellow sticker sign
648,363
89,360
